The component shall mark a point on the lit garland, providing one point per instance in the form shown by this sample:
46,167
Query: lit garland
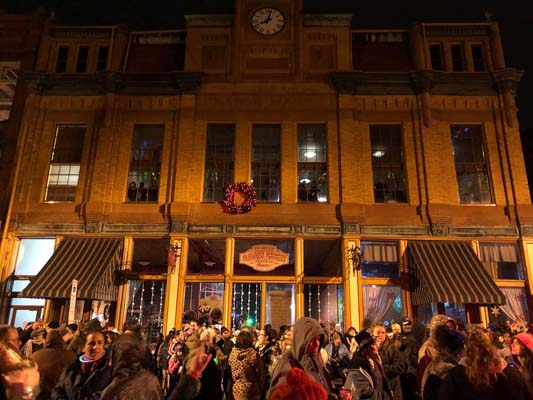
247,191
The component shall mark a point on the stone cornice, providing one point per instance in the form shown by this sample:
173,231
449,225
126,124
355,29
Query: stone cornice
328,20
168,83
507,80
408,83
208,20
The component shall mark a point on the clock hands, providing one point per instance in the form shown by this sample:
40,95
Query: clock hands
266,20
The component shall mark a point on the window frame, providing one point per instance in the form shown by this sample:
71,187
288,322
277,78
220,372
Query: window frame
228,165
87,59
300,165
59,47
270,164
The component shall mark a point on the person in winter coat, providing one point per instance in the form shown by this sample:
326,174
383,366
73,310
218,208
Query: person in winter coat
366,377
129,380
428,349
35,343
52,361
482,374
450,346
88,375
392,360
247,369
522,357
304,354
350,342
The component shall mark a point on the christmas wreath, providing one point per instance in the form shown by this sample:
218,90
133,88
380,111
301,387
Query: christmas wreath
245,190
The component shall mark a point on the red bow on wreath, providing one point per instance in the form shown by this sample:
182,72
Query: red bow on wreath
245,190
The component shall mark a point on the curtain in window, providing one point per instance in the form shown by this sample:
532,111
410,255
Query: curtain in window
380,251
378,300
516,307
498,252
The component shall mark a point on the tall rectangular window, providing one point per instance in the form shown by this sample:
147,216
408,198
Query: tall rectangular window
62,58
435,54
457,57
65,163
266,161
312,163
101,61
470,164
477,57
81,62
219,167
387,164
145,163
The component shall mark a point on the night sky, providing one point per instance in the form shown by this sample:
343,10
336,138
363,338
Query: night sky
514,16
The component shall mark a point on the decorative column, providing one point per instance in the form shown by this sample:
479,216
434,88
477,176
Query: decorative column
423,81
122,294
352,292
299,273
174,296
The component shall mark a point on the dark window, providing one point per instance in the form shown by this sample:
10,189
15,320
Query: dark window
470,164
387,164
145,163
322,258
266,161
81,62
206,256
312,163
101,62
65,163
219,153
477,57
62,57
457,57
435,53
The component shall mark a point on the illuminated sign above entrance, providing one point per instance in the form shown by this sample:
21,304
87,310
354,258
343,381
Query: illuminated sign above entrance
264,258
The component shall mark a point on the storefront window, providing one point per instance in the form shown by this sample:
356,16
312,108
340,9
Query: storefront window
452,310
246,305
381,304
514,312
264,257
204,300
322,258
325,303
150,256
501,260
206,257
146,304
280,307
380,259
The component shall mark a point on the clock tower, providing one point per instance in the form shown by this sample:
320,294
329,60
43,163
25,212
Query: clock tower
265,38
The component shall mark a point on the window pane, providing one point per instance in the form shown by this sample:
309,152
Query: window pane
478,58
62,58
387,164
65,163
145,163
219,153
379,259
206,256
24,301
19,285
204,300
280,307
266,162
457,57
81,62
246,305
33,254
146,304
101,62
312,163
323,258
470,164
381,304
325,303
516,309
264,257
150,256
436,56
10,72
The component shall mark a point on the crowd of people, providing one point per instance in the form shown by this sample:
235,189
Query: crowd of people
309,360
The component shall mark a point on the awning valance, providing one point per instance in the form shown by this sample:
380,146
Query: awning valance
450,272
92,262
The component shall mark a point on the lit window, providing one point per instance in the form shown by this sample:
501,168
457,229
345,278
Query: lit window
219,153
64,170
312,163
266,162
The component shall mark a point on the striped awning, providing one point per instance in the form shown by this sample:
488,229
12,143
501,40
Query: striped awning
92,262
450,272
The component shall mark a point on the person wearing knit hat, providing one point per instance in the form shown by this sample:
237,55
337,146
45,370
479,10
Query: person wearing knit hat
428,349
298,386
366,378
522,357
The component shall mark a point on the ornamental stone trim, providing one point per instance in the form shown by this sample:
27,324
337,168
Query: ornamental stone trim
206,229
387,230
204,20
439,230
322,230
484,231
351,228
330,20
264,229
23,227
178,227
507,80
135,228
527,230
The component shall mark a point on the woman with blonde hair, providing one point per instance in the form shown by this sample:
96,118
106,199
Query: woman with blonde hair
482,374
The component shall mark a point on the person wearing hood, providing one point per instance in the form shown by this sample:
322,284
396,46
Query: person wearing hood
450,346
366,377
247,369
304,354
129,380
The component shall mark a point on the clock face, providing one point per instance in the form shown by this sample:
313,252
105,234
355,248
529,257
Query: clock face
267,21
